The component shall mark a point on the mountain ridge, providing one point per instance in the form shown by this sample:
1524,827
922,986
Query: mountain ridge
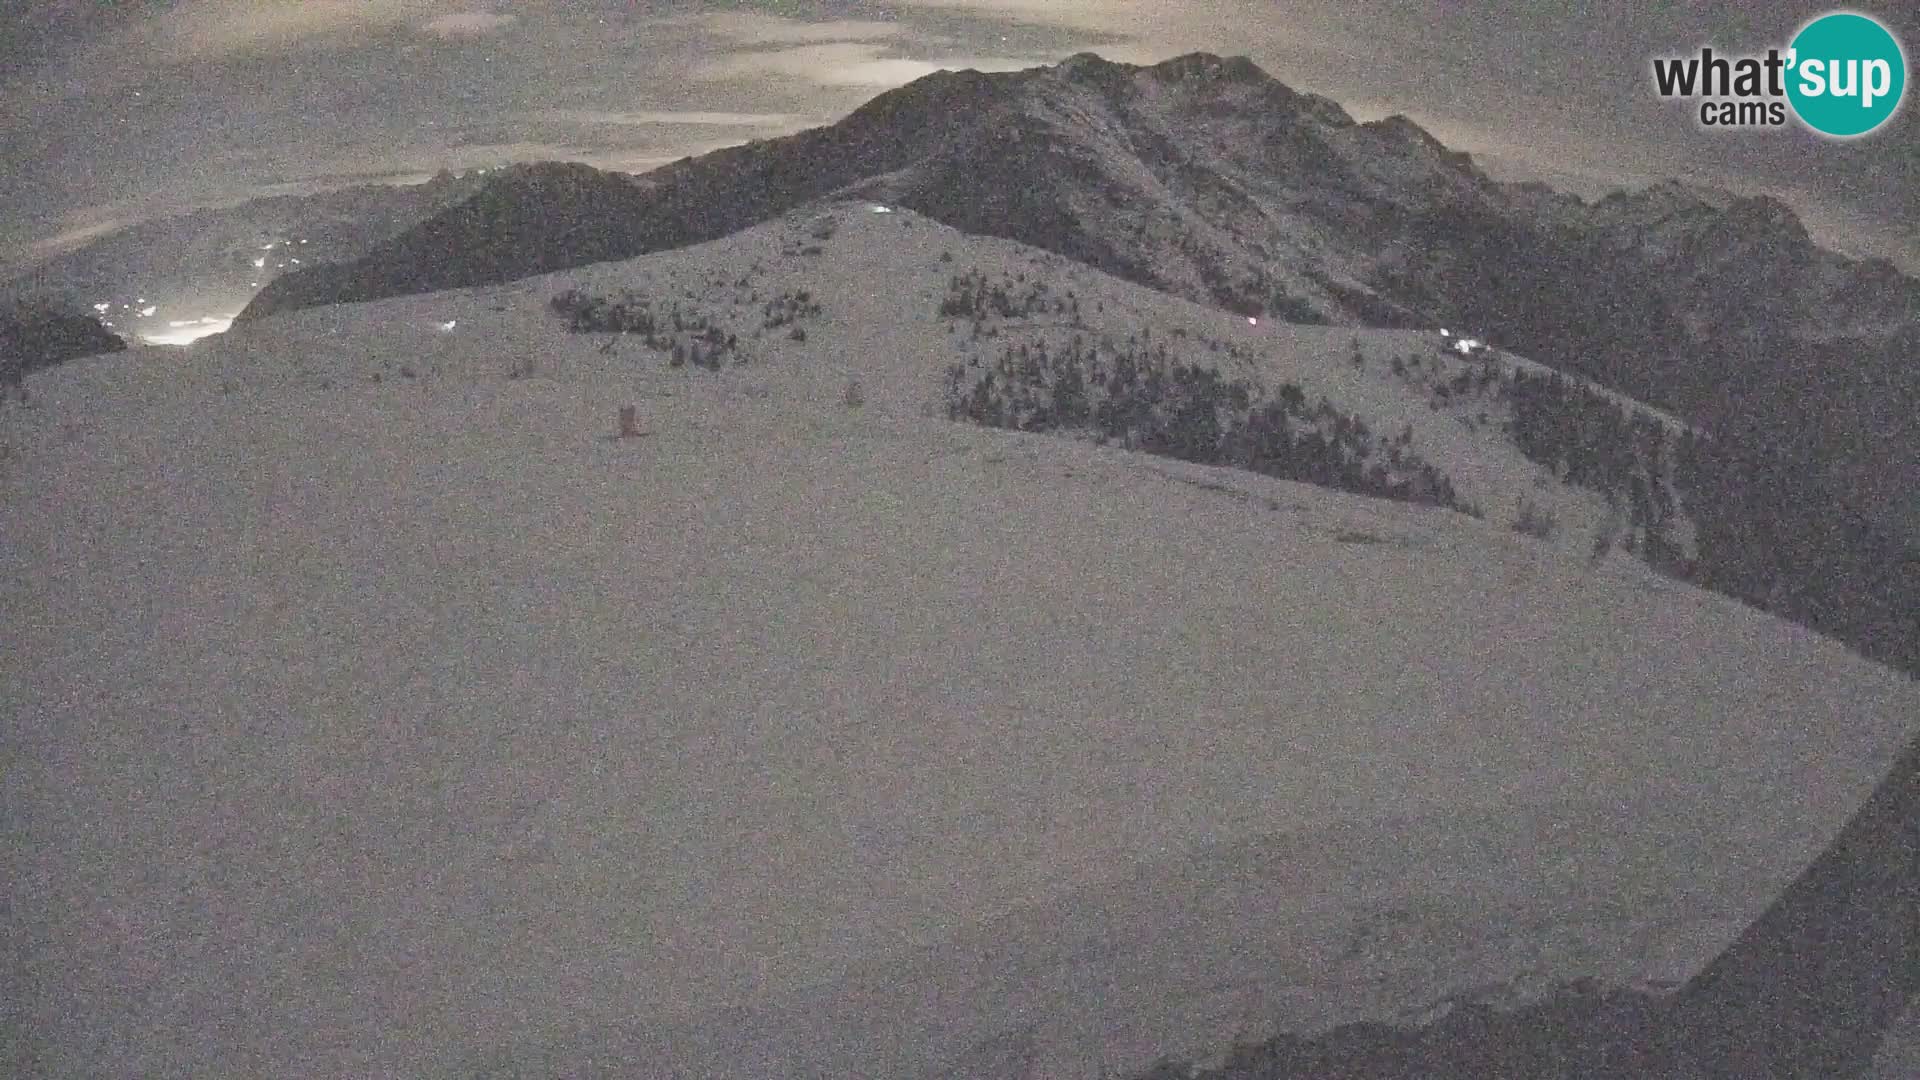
1207,178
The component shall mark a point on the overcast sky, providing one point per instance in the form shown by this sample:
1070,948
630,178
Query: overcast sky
115,112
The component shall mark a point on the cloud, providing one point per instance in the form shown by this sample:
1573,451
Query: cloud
139,44
1130,31
76,229
214,28
419,165
746,28
78,236
228,27
846,64
647,118
1105,16
464,24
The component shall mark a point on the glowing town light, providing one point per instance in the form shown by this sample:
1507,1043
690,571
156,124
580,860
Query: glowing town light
187,331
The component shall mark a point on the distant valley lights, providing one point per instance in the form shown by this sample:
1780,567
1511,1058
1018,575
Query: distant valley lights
187,331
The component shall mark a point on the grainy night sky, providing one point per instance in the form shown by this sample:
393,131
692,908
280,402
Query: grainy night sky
118,112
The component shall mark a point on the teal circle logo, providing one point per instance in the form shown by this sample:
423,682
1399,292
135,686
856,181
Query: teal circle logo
1846,74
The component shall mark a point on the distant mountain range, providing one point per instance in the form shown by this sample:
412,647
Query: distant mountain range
1206,178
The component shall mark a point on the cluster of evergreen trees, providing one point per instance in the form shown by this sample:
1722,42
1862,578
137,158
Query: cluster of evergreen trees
1585,437
1772,533
973,296
685,337
1142,398
1264,296
1767,531
1469,384
1591,440
789,307
1253,293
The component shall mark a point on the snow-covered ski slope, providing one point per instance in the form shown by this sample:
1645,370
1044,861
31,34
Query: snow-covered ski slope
417,727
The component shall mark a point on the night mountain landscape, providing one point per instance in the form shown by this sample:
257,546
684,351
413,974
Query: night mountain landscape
1092,569
1205,178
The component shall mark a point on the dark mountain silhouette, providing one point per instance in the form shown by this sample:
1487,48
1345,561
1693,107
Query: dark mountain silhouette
1812,986
534,219
33,338
530,219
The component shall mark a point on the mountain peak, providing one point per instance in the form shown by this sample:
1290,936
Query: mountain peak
1090,63
1201,67
939,99
1400,128
1670,196
1769,213
1205,66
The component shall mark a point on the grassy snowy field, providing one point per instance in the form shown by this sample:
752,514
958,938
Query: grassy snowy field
384,728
